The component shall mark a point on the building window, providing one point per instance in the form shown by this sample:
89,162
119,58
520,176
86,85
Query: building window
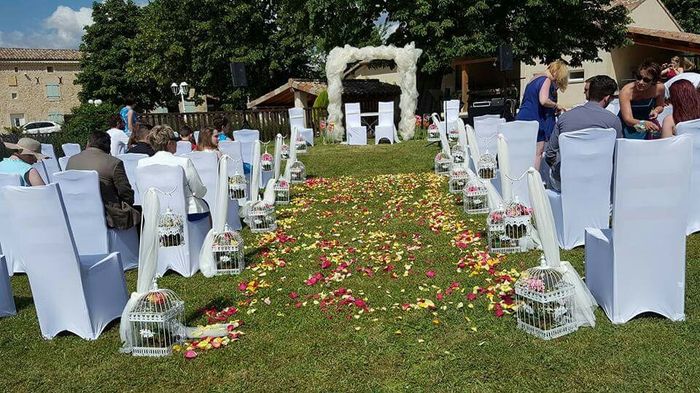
17,119
12,80
577,76
53,92
14,96
49,69
56,117
16,69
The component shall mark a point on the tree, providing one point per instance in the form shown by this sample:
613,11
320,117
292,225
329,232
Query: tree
106,49
687,12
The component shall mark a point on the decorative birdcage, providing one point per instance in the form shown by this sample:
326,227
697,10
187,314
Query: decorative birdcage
475,196
433,133
486,167
297,172
171,229
545,303
237,186
228,252
156,323
301,145
458,154
453,132
507,227
458,179
266,160
443,164
284,151
261,217
517,219
281,192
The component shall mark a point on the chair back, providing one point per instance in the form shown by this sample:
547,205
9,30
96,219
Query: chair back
233,150
207,165
386,113
7,179
247,139
70,149
296,118
668,111
10,179
196,137
483,117
352,115
80,191
614,106
692,128
52,164
7,302
131,161
183,147
486,132
521,137
63,163
450,110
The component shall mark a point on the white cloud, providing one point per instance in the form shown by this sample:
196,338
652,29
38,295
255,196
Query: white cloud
62,29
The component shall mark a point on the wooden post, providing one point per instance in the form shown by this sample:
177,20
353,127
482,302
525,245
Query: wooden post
465,88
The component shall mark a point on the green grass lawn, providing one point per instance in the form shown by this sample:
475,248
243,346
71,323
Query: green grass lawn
380,213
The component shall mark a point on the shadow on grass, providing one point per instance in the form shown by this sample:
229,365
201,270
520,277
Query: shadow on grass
22,302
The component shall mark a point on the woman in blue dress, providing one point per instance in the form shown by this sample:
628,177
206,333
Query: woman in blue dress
641,102
540,102
129,116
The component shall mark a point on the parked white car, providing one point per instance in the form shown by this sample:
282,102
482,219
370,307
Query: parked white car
41,127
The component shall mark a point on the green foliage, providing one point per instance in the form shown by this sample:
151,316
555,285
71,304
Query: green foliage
687,12
84,119
13,130
321,100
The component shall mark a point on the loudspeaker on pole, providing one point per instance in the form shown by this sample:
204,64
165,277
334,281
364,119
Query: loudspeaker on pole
505,57
238,75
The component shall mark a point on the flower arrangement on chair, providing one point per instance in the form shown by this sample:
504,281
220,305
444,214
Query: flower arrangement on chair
486,167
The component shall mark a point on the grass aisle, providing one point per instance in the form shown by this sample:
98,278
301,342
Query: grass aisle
375,281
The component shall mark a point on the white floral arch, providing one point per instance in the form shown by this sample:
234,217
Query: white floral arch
406,59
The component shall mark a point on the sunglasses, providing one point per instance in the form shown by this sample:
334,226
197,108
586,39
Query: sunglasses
646,80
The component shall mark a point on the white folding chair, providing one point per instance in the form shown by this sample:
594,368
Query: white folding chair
80,294
170,181
521,137
131,161
356,132
43,172
51,164
639,265
586,173
80,191
183,147
7,302
196,137
233,149
247,139
692,128
207,165
486,132
63,163
70,149
296,119
385,128
13,260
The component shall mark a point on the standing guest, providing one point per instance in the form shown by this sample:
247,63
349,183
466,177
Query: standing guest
115,189
164,141
686,106
187,136
119,139
139,140
4,152
590,115
25,153
209,141
223,127
540,102
129,116
641,102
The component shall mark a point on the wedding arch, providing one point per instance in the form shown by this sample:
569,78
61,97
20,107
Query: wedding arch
406,59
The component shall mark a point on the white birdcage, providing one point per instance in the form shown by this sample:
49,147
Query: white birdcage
486,167
545,302
507,227
266,160
228,252
443,164
284,151
237,186
433,133
297,172
156,323
281,192
458,179
261,217
453,132
458,153
475,196
301,144
171,229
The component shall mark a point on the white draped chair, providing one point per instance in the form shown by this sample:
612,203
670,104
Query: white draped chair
486,132
693,128
521,137
51,163
385,128
70,149
196,137
43,172
233,150
80,191
484,117
639,265
297,120
170,181
183,147
13,260
131,161
7,302
586,173
668,111
247,139
71,292
356,132
207,165
62,163
614,106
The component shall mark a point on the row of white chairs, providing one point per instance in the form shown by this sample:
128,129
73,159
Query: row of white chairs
357,133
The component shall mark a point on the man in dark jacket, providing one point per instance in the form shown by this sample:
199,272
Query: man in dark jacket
115,189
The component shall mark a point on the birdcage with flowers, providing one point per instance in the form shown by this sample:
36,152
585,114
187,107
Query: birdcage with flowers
227,248
281,192
301,144
458,178
237,186
545,302
486,166
266,160
284,151
297,173
458,154
517,219
433,133
475,197
443,164
171,229
156,323
261,217
452,132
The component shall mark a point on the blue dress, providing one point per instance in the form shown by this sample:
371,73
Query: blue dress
18,167
124,113
640,111
530,108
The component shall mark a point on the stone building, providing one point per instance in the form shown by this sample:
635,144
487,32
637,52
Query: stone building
37,84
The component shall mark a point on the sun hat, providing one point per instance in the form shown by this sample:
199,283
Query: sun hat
27,146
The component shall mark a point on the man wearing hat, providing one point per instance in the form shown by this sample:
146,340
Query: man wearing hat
25,153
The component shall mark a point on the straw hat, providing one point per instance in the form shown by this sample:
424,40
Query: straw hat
27,146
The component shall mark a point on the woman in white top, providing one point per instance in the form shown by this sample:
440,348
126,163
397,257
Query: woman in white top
209,141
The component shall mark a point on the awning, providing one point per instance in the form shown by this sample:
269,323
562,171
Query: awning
679,41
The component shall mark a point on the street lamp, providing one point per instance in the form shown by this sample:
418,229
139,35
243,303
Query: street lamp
182,90
95,102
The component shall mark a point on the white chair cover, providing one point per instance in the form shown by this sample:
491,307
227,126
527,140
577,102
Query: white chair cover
70,149
80,294
207,166
639,265
584,301
668,111
483,117
196,137
247,138
12,259
352,114
521,137
131,161
279,141
52,164
296,119
586,174
291,160
62,163
450,110
43,172
207,264
614,106
385,128
183,147
356,132
170,182
7,302
233,150
693,128
486,133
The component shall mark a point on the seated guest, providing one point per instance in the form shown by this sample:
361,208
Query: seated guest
119,139
641,102
4,152
590,115
686,106
187,136
25,153
115,189
164,141
209,141
139,140
223,127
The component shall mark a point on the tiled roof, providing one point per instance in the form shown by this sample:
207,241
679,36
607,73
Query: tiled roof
630,4
28,54
689,41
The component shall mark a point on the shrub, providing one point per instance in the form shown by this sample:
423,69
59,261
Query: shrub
85,119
